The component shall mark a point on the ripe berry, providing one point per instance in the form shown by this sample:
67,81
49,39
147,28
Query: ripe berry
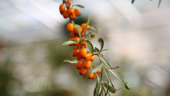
68,3
83,52
76,39
79,57
92,76
65,14
92,57
72,34
79,65
77,29
98,71
70,27
85,27
77,12
72,16
84,44
87,64
70,11
88,56
82,33
75,52
83,72
62,8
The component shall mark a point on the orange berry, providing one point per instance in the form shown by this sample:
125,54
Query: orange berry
62,8
83,72
92,76
68,3
65,14
88,56
85,27
77,29
87,64
70,27
92,57
82,33
79,57
70,11
84,44
72,34
99,71
83,52
77,12
79,65
76,39
75,52
72,16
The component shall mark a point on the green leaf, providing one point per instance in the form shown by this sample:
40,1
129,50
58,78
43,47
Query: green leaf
115,75
93,28
96,50
66,43
97,87
159,3
89,45
71,61
110,88
76,25
105,62
79,5
100,40
90,31
88,22
126,86
132,1
90,37
105,49
79,32
116,67
108,77
95,69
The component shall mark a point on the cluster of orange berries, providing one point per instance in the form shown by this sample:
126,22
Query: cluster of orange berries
84,57
67,11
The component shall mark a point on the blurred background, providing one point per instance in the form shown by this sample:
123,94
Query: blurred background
31,55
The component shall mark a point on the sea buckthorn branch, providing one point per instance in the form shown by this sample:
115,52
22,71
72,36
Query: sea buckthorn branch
84,52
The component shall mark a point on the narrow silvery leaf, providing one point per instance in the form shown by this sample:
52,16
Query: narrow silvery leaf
110,88
115,75
88,22
132,1
126,86
89,45
93,28
100,40
71,61
105,49
96,49
66,43
97,87
105,62
159,3
90,31
79,5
